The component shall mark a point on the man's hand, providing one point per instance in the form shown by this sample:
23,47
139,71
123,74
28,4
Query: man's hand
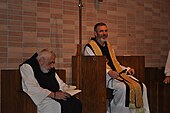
61,95
131,71
167,80
113,74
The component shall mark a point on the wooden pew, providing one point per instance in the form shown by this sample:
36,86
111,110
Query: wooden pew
163,98
158,92
151,79
14,100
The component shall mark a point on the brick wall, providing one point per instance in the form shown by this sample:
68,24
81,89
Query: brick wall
136,27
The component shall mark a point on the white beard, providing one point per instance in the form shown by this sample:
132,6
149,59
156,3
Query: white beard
103,40
44,70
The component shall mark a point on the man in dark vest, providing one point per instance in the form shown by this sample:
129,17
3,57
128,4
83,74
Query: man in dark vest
130,94
41,82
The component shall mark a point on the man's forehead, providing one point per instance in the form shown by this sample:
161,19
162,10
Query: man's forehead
102,28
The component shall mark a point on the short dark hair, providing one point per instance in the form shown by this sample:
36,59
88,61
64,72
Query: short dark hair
99,24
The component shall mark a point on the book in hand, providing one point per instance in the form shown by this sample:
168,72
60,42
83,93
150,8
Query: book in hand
71,90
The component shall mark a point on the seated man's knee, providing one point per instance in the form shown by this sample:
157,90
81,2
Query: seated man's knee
122,87
50,107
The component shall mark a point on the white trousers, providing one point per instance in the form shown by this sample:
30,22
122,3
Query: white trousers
49,105
118,102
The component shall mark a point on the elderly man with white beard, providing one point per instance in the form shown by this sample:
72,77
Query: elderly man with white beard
41,82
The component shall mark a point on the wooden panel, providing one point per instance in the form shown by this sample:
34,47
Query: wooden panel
152,88
25,104
8,89
91,80
62,74
136,62
158,93
163,93
151,84
76,71
14,100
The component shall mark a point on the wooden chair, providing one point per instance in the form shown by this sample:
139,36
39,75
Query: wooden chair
14,100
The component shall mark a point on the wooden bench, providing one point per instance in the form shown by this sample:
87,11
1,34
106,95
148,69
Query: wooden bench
158,92
14,100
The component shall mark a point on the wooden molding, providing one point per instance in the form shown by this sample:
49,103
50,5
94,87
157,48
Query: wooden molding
100,0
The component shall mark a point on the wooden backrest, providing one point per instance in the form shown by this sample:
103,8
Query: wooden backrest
136,62
14,100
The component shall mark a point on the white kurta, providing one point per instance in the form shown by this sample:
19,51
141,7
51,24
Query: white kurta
39,95
118,102
167,66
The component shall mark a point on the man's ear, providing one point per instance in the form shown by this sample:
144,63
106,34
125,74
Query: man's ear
95,34
41,60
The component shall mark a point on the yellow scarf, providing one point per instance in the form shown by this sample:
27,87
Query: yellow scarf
136,101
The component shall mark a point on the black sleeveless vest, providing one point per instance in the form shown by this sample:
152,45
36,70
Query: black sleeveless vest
105,52
45,80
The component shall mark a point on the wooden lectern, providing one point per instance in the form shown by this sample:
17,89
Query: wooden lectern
90,78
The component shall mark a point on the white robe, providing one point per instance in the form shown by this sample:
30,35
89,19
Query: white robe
118,102
167,66
39,95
